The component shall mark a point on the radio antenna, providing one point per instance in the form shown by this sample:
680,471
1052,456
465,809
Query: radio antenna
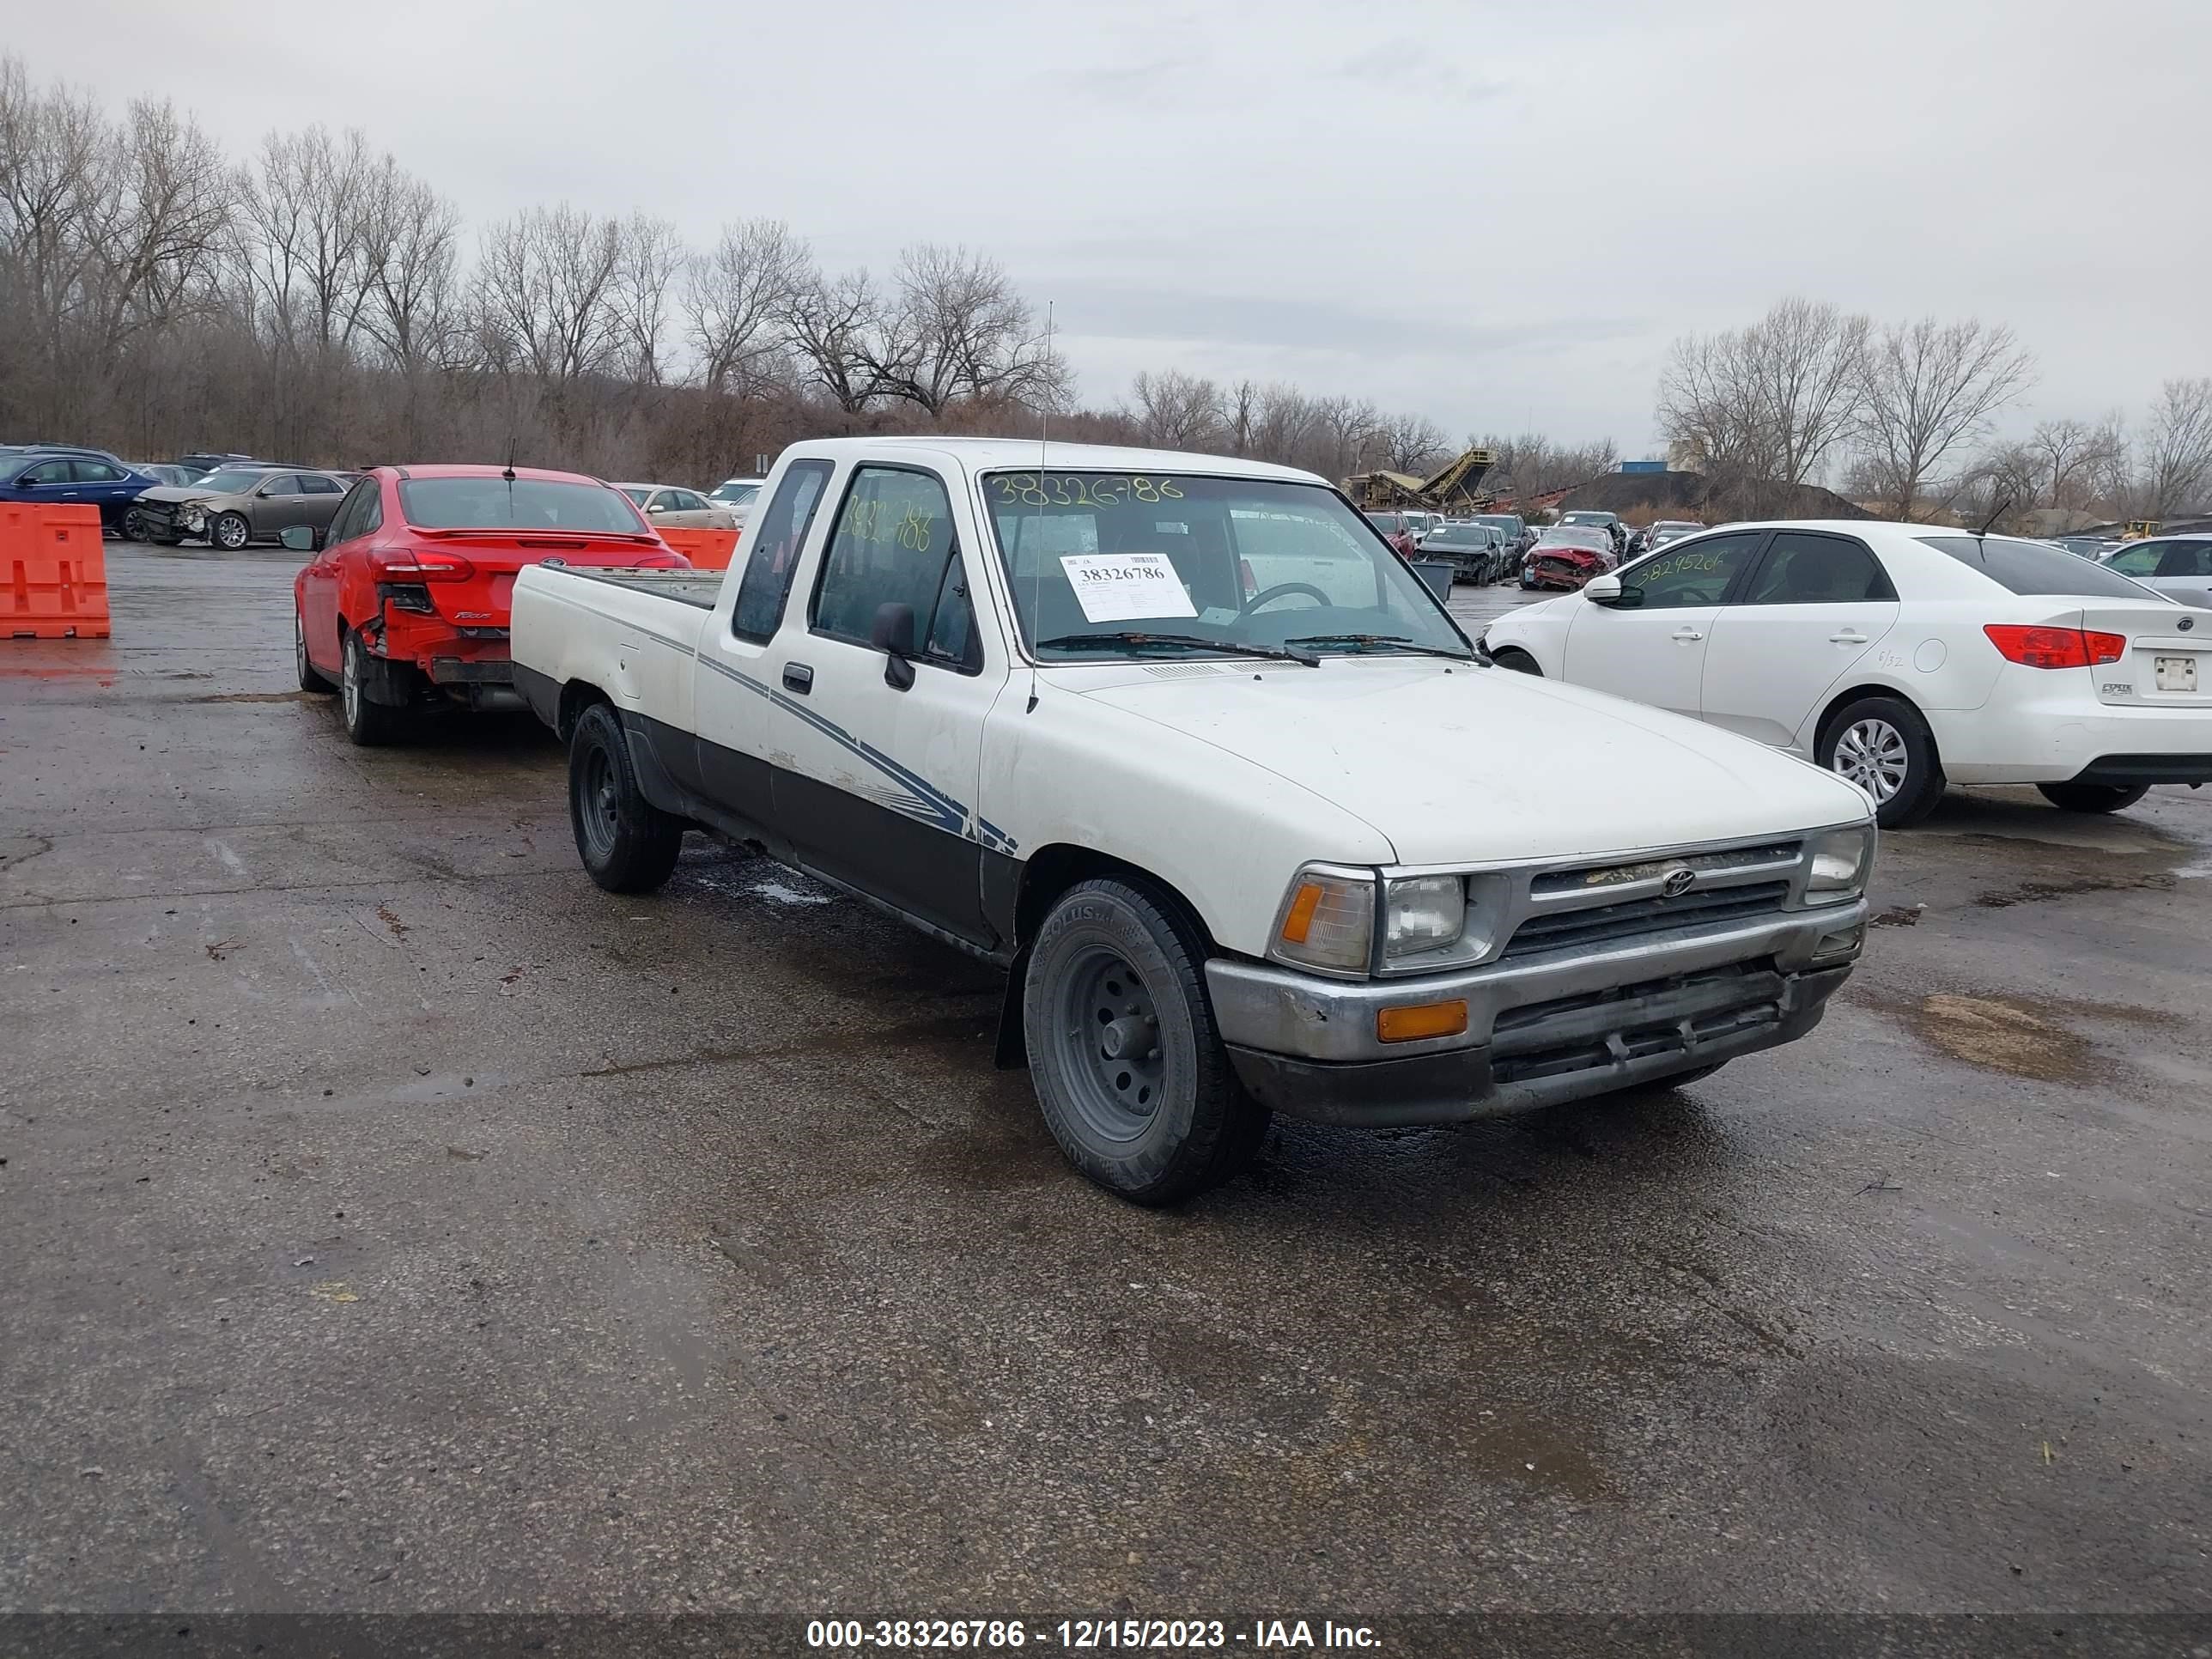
1037,571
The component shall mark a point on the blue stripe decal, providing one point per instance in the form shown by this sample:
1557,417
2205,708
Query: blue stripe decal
918,797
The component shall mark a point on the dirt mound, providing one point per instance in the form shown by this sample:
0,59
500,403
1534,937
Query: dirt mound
1693,495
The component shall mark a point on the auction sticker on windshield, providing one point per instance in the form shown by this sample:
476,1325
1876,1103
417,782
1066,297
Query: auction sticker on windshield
1126,587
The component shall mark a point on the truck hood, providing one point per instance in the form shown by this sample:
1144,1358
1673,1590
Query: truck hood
1462,764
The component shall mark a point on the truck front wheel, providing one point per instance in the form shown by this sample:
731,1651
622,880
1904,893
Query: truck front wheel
627,844
1130,1071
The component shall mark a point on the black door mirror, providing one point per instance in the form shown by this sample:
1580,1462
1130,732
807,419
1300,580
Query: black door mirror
893,635
300,538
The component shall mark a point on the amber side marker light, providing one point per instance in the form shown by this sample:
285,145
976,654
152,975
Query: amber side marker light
1299,923
1421,1019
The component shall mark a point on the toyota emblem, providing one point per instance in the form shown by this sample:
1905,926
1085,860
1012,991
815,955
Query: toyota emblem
1677,882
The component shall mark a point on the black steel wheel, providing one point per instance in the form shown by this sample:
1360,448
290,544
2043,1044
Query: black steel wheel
1130,1071
627,843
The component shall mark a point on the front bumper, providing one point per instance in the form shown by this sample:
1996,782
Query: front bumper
1538,1032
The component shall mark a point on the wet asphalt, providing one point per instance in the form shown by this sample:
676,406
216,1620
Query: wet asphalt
390,1219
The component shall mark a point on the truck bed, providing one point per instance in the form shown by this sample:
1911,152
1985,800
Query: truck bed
693,587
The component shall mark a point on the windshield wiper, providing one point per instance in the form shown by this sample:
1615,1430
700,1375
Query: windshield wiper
1176,642
1397,641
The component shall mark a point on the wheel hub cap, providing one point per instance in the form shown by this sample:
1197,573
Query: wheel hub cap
1872,754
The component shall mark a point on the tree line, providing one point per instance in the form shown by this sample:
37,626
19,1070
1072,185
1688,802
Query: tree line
317,302
1904,412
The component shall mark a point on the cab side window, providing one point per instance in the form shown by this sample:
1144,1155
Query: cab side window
894,545
773,558
2141,561
48,472
1804,568
1690,573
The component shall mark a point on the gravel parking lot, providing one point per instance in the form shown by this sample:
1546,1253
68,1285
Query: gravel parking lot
393,1220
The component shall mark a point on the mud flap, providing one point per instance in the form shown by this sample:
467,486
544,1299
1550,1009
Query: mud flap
1012,1054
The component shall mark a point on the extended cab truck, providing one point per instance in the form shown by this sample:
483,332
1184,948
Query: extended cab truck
1184,746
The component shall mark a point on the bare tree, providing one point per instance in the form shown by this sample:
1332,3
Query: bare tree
2176,449
955,328
411,250
1929,389
2078,462
1282,429
1350,433
546,286
651,254
1175,411
303,236
829,323
733,297
1769,403
1413,443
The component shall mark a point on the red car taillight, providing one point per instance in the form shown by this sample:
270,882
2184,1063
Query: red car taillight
421,567
2055,648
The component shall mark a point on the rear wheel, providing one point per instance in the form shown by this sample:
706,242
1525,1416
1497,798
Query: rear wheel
1881,744
368,723
627,844
1130,1071
2091,797
311,678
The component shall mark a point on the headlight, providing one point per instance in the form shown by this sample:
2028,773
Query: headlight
1424,912
1840,860
1328,921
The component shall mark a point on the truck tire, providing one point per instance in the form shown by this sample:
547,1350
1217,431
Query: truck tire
1882,744
370,724
627,843
2091,797
1130,1071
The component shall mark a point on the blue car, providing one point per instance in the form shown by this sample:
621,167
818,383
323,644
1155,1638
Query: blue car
73,478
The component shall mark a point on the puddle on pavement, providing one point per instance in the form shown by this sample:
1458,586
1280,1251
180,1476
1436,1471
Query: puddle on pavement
2034,892
2023,1036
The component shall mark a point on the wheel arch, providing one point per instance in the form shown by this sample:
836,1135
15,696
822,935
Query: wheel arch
1837,702
576,696
1046,874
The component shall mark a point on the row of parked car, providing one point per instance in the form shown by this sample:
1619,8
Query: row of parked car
234,501
1490,547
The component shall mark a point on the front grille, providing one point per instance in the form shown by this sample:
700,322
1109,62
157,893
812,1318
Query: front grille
1604,924
1583,878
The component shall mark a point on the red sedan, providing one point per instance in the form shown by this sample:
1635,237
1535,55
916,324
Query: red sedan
404,605
1566,556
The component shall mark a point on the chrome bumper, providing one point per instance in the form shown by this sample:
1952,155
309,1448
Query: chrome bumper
1539,1032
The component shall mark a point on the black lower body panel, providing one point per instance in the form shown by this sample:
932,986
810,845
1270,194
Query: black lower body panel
2128,771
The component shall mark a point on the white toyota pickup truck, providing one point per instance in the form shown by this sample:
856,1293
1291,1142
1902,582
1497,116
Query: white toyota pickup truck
1181,743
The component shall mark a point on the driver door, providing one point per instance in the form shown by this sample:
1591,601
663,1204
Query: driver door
277,505
1649,646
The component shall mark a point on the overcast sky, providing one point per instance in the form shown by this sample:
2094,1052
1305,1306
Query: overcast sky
1498,214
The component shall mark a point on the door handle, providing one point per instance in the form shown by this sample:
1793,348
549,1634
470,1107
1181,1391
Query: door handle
797,677
1688,635
1849,637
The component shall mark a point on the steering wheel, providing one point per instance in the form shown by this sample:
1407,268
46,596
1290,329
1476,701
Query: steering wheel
1281,588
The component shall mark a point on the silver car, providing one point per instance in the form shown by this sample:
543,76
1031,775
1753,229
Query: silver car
2179,567
670,507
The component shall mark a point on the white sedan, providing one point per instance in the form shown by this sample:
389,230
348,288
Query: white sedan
1903,656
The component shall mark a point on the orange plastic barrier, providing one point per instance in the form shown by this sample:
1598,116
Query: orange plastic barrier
53,573
709,549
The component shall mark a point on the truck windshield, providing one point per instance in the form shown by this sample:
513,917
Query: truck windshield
1245,562
493,503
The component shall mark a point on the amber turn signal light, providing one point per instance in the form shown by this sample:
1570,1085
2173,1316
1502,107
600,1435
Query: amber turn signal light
1299,923
1421,1019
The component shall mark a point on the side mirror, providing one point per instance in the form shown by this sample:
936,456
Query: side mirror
656,507
300,538
1605,590
893,635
